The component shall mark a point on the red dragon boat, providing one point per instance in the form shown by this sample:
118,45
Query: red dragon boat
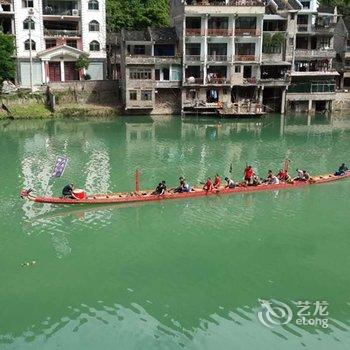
147,196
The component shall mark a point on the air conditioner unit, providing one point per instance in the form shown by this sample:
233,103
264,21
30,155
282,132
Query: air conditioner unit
75,12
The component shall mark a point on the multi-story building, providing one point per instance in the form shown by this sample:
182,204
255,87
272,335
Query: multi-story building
7,17
236,57
51,35
150,70
313,77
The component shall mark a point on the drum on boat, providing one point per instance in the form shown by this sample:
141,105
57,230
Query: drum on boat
79,194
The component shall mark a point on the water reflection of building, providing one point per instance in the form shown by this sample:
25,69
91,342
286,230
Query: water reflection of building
312,124
139,131
216,130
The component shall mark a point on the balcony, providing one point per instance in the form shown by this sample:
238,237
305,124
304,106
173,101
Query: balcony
150,60
61,8
320,53
246,58
219,32
169,84
193,81
194,32
247,32
303,28
54,33
193,58
224,3
218,58
217,81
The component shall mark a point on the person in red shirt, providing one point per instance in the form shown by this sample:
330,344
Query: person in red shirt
282,175
217,181
248,174
208,186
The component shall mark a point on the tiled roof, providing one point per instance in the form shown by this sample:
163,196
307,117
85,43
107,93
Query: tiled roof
163,35
135,35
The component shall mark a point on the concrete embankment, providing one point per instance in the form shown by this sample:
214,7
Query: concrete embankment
72,99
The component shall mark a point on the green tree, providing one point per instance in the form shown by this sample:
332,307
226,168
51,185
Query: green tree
7,62
136,14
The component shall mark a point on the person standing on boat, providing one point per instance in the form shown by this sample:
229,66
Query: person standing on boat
217,181
342,170
208,186
229,183
67,191
248,175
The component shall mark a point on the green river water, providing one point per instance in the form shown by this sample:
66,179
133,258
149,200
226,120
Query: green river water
179,274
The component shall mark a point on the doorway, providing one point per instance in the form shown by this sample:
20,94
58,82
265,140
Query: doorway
54,71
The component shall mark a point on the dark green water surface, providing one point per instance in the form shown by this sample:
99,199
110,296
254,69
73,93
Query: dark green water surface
172,275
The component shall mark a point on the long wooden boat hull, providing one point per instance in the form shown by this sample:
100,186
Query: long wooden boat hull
145,196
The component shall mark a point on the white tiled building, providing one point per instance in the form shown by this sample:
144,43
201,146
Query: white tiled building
60,31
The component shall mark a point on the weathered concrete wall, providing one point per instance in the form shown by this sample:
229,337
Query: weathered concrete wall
342,101
95,92
168,101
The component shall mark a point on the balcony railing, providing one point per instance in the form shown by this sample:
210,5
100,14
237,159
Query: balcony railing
194,81
218,58
194,32
323,53
224,3
303,27
247,32
62,32
49,11
212,80
219,32
244,58
193,58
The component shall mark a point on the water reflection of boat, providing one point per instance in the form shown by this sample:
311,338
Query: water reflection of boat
148,196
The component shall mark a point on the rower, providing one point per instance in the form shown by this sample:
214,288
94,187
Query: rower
208,186
342,170
274,180
184,186
282,174
67,191
269,176
217,181
160,189
229,183
306,175
248,175
300,175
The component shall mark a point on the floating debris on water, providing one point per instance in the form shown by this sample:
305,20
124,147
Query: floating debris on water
28,263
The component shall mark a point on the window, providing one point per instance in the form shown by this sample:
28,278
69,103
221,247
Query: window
72,43
246,23
28,23
50,43
291,41
139,49
94,26
237,69
146,95
93,5
133,95
28,3
27,45
140,74
94,46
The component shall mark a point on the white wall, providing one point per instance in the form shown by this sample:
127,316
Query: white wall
99,16
21,13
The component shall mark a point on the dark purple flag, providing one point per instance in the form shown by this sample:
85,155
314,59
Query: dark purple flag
61,163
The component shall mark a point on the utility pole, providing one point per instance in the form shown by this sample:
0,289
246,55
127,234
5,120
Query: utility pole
30,19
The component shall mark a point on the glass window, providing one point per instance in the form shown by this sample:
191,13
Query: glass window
27,45
94,26
133,95
140,73
50,43
94,46
28,3
93,5
28,23
72,43
237,69
146,95
176,73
